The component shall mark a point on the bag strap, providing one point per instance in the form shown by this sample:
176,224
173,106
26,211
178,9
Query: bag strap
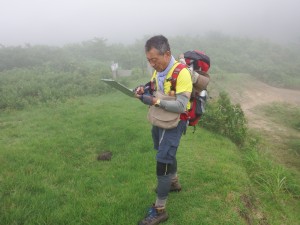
174,76
173,79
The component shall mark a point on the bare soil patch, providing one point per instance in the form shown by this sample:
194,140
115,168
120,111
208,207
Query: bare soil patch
257,93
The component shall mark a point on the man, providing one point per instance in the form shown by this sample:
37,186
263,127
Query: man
166,141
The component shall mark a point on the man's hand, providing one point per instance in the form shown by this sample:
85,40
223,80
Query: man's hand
139,91
148,99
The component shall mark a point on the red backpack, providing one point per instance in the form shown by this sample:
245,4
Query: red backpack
199,97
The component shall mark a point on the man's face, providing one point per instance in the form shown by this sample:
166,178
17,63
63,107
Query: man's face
157,61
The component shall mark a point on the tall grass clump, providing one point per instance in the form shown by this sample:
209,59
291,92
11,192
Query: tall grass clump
273,180
269,177
226,119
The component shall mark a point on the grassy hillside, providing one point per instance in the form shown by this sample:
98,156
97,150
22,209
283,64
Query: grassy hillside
56,117
50,173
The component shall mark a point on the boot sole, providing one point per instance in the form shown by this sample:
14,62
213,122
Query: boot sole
161,221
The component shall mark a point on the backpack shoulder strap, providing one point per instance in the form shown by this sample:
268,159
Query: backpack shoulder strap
175,74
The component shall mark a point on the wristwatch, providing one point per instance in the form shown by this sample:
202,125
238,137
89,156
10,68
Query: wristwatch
157,103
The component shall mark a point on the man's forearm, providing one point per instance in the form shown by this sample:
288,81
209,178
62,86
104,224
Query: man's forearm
177,106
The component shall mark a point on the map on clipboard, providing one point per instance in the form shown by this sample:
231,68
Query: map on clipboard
119,87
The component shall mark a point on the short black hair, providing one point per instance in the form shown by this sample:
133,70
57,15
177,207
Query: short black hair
158,42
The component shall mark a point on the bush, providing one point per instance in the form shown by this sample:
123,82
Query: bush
225,118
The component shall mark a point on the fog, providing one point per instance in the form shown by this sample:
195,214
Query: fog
59,22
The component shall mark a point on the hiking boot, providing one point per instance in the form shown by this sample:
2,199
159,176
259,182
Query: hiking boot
175,185
154,216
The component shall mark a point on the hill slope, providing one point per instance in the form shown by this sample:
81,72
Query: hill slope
50,173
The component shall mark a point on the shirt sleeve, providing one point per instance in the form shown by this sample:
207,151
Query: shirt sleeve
177,106
184,82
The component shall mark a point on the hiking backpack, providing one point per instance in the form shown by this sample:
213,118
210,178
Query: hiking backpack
198,60
198,63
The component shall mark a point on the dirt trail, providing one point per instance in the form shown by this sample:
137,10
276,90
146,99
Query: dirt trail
258,93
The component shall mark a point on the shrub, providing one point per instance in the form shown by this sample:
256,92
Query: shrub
226,118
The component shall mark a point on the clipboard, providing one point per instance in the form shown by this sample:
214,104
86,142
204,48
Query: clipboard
120,87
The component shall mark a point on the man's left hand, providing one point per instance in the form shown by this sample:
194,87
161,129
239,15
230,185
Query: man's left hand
148,99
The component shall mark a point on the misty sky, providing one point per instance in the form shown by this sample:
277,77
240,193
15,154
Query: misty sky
59,22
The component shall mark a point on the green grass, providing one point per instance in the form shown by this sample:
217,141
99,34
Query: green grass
294,144
277,188
50,173
284,114
288,118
